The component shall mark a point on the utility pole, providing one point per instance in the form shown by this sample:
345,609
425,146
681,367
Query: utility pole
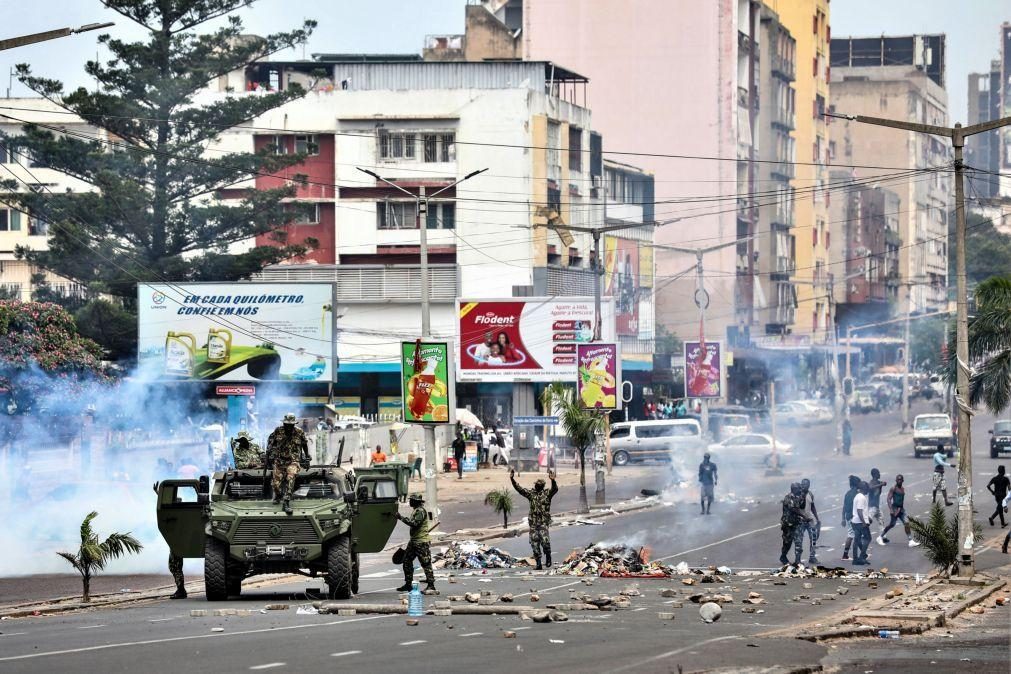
905,364
24,40
421,210
957,135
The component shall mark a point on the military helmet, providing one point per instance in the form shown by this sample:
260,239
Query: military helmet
243,434
415,499
289,419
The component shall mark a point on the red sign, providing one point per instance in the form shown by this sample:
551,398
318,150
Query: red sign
235,390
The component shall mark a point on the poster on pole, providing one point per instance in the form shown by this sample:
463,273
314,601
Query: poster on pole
704,369
622,281
526,339
599,376
237,332
426,382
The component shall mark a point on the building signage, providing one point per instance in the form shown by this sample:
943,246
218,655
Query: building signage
599,376
535,421
234,390
525,339
237,331
427,386
704,369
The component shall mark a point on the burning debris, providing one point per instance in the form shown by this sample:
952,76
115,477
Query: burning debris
614,561
474,555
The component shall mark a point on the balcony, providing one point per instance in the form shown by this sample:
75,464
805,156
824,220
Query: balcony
784,68
784,119
784,170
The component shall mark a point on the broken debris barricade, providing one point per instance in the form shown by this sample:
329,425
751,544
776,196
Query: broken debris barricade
614,561
474,555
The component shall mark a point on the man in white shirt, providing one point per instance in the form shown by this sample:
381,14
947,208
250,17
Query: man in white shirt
1007,539
861,525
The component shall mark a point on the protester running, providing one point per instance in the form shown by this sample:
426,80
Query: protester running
940,463
896,500
999,486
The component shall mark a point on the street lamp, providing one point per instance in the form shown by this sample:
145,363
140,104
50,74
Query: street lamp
431,486
24,40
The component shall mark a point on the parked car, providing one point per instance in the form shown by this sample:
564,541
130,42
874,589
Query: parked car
1000,438
749,445
820,412
793,414
758,417
641,440
728,425
932,430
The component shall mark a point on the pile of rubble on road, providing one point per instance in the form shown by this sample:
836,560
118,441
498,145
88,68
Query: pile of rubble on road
818,571
474,555
613,561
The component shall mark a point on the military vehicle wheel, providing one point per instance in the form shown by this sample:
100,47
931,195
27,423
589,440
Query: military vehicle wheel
355,568
339,568
216,585
236,571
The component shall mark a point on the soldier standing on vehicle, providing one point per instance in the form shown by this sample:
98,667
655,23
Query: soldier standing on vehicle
287,447
418,547
247,454
540,515
940,463
792,523
813,524
708,478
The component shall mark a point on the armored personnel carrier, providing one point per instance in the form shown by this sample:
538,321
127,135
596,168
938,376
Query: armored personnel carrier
230,521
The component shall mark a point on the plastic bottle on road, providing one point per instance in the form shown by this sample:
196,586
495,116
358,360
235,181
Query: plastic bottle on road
888,634
415,602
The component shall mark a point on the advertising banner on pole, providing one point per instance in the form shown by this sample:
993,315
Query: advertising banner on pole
704,369
599,376
237,332
622,282
525,339
427,386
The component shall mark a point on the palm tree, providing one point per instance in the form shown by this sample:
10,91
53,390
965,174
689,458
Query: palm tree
939,536
989,346
93,555
501,501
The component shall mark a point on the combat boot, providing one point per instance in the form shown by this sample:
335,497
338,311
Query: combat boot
407,586
539,567
277,499
430,588
287,506
179,594
547,559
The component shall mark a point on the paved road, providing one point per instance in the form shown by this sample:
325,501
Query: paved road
742,533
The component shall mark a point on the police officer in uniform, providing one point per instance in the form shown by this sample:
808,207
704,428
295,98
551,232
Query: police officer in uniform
418,547
540,515
287,448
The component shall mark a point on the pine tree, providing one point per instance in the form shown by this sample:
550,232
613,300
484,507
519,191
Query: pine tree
153,212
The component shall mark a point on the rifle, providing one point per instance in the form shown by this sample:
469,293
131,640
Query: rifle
340,452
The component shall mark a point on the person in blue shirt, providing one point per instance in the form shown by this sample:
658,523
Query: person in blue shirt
940,463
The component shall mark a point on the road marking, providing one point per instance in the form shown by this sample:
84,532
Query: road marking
414,643
269,665
549,589
382,574
641,608
343,653
472,634
90,627
168,640
159,620
14,634
517,629
637,665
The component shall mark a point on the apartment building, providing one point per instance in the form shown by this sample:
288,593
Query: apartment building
989,99
902,78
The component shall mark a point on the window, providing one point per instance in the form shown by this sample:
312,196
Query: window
394,145
307,145
441,215
279,145
37,227
622,432
447,147
306,214
10,220
7,154
554,152
575,149
396,215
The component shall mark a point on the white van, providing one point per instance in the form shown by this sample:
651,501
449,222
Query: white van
641,440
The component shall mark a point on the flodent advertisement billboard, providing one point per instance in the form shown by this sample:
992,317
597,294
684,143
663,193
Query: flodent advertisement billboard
527,339
237,331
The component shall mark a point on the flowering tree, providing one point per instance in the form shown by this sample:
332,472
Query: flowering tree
41,353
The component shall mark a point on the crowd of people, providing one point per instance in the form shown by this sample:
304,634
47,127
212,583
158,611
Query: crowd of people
665,409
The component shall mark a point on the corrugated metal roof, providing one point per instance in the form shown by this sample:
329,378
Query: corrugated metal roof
442,75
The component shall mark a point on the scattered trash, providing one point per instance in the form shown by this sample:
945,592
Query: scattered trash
808,586
217,629
413,622
474,555
548,616
802,571
535,597
506,598
665,615
1000,601
615,561
473,597
556,641
978,610
725,570
276,607
710,612
198,613
307,610
509,634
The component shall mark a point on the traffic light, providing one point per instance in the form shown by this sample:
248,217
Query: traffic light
847,386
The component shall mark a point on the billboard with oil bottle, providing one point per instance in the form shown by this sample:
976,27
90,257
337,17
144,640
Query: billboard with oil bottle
237,331
427,382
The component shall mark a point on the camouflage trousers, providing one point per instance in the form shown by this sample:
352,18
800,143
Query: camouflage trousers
175,567
423,553
287,473
793,534
540,538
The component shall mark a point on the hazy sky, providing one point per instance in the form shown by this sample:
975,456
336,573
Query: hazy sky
401,26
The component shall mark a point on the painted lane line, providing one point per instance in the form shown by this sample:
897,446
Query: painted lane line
14,634
517,629
168,640
90,627
343,653
472,634
414,643
159,620
269,665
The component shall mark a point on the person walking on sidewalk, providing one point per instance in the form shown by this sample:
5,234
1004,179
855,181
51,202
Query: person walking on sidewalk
459,452
874,497
847,514
708,478
896,500
940,463
540,515
812,525
861,526
419,546
999,486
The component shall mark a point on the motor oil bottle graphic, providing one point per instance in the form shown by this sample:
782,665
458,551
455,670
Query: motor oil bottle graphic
180,348
219,345
424,383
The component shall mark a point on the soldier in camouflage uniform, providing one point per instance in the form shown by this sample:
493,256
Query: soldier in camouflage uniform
175,567
287,448
540,515
418,547
793,523
247,453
